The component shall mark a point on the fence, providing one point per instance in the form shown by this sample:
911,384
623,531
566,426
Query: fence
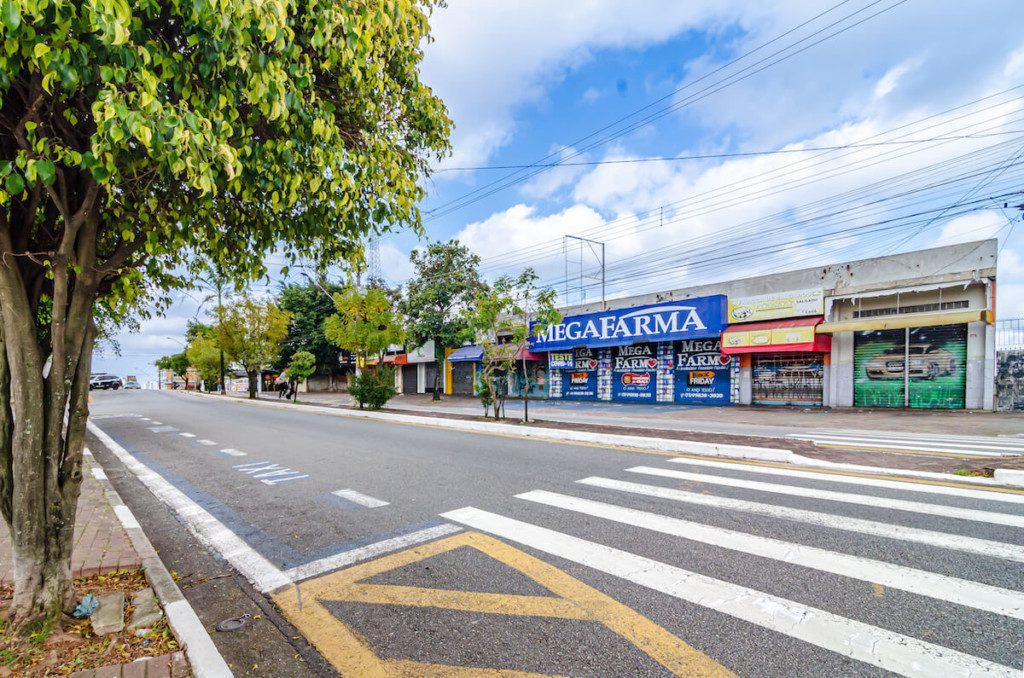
1010,364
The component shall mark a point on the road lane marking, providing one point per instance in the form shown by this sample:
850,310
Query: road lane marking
955,491
155,422
875,646
983,547
360,498
187,435
844,497
270,473
352,556
232,452
204,441
571,599
162,429
206,528
951,589
983,448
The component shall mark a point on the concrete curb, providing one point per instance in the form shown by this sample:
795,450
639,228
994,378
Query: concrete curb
549,434
1010,476
206,660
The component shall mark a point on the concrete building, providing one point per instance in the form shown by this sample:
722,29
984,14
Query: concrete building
906,330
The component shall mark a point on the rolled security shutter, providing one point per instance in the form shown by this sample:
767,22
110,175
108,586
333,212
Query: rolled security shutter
409,381
938,361
878,379
788,378
462,378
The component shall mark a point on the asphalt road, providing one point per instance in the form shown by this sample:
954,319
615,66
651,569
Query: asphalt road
413,548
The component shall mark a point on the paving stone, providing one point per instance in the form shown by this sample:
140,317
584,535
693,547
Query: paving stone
179,666
87,673
159,667
109,618
137,669
108,672
147,610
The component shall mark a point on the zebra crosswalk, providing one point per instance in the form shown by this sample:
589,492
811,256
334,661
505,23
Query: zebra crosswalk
803,556
916,443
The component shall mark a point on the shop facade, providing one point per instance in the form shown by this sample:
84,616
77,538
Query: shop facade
659,353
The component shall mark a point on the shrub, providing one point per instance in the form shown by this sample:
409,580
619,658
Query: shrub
373,388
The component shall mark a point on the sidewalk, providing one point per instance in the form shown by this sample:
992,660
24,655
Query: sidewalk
101,544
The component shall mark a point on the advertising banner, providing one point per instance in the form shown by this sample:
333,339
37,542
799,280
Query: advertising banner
697,318
776,305
703,376
937,360
580,380
634,372
560,360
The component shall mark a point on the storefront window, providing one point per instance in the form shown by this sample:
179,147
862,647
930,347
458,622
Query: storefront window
634,372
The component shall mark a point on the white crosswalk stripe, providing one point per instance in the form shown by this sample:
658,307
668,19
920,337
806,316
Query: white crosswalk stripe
958,445
770,557
878,647
845,497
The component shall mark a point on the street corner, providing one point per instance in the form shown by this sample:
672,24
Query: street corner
470,604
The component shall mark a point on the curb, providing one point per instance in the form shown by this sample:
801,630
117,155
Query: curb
1003,477
206,660
547,434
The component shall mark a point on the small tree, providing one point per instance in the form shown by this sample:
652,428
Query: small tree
374,388
204,353
366,322
250,335
506,316
176,362
302,365
439,296
310,305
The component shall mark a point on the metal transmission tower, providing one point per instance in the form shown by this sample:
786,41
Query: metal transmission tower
578,266
374,270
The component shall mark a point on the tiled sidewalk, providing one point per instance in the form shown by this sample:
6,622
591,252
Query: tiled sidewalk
101,544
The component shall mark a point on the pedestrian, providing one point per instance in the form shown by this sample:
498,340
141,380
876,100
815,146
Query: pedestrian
281,386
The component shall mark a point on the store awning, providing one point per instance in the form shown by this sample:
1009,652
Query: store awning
526,354
400,359
776,336
466,354
898,322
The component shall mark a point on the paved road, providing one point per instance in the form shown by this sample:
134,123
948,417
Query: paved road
416,547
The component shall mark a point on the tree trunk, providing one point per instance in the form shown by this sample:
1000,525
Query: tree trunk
439,359
253,389
42,434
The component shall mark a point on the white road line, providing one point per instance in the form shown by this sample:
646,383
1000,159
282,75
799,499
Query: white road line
155,422
983,547
875,646
997,444
232,452
162,429
204,441
845,497
145,419
923,583
360,498
856,480
187,435
350,557
210,531
884,444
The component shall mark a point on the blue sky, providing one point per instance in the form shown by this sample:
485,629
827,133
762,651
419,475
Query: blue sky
526,79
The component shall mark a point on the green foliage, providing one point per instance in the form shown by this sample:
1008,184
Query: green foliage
373,388
176,362
505,316
251,332
302,365
219,128
443,288
366,322
310,306
203,353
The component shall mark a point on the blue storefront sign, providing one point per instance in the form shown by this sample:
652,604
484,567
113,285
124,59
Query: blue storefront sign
703,376
697,318
635,373
579,378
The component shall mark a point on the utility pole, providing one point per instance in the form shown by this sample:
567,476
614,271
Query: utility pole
593,246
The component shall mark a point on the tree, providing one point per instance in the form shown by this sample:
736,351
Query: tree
176,362
366,322
441,291
137,138
506,316
204,354
251,334
310,305
302,365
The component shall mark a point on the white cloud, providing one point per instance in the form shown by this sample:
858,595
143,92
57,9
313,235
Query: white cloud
971,227
592,95
546,184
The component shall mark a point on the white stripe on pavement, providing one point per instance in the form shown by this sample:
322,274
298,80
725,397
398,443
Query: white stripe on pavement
875,646
360,498
845,497
886,444
857,480
959,442
938,586
232,452
187,435
983,547
204,441
356,555
210,531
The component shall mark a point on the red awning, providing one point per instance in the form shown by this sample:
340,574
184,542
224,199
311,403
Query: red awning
389,359
402,359
526,354
776,336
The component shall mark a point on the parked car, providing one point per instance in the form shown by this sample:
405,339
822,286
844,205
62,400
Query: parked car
927,361
105,381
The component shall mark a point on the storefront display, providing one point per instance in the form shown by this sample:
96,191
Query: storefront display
703,375
577,371
634,372
788,378
936,377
